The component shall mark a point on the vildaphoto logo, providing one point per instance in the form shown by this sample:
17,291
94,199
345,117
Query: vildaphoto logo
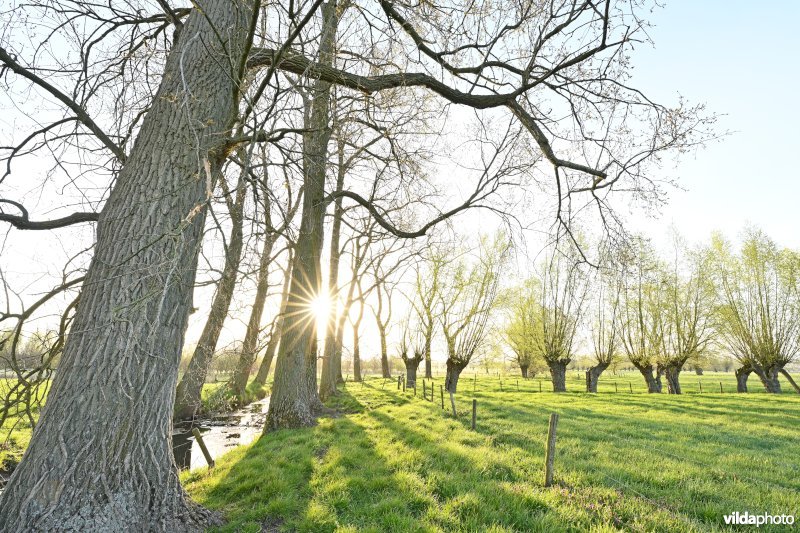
758,520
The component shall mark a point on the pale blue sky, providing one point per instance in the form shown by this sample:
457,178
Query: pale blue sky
740,58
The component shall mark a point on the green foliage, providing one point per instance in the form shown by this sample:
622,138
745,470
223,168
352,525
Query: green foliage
631,462
759,291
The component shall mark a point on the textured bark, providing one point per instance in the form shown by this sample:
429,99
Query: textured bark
524,370
100,457
673,373
412,364
741,377
454,369
558,374
411,372
250,346
294,399
277,330
187,397
593,375
769,377
651,375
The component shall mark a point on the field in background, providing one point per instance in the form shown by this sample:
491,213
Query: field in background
638,462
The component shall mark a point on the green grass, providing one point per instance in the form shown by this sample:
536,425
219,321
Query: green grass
633,462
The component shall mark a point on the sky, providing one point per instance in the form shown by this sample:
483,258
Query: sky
737,57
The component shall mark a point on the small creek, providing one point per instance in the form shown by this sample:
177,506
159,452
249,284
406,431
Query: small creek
220,434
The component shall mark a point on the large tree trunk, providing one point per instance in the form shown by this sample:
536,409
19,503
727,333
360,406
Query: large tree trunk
593,375
698,370
100,458
652,377
454,369
741,377
277,330
187,398
295,399
524,370
672,373
558,374
250,346
769,377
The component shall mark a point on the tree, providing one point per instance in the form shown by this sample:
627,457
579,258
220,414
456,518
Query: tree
411,361
524,327
606,329
687,295
271,233
642,327
120,361
427,286
383,294
466,300
563,298
277,326
356,325
759,306
187,397
107,419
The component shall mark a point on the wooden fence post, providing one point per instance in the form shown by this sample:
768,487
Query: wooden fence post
441,391
631,386
398,382
540,385
616,389
701,386
404,385
720,386
199,438
474,412
550,450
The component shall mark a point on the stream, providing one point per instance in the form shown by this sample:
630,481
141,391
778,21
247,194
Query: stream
220,433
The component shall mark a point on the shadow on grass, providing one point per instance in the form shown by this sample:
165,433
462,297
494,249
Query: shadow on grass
396,463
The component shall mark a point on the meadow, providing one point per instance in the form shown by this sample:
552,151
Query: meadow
387,460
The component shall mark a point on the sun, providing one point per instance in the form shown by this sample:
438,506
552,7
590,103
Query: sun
320,308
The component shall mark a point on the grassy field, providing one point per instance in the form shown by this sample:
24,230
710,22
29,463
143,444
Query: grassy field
633,462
